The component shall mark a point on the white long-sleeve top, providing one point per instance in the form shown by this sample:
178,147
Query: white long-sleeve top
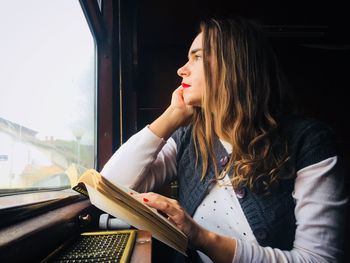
146,162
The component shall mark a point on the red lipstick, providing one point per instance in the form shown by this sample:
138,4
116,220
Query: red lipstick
184,85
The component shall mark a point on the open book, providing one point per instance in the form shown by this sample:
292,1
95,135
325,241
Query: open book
117,201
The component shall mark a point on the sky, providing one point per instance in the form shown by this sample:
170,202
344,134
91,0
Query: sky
47,68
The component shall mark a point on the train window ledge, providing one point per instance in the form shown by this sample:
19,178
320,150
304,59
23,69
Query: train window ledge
18,207
33,238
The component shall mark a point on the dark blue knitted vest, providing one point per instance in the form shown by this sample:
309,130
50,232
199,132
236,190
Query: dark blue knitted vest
270,216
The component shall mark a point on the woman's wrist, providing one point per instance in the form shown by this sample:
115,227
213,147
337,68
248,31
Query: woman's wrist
167,123
215,246
207,240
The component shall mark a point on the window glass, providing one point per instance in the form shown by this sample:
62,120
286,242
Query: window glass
47,101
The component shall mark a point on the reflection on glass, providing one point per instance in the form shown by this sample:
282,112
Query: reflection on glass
47,102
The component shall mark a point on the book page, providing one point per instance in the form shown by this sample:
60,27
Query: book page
117,201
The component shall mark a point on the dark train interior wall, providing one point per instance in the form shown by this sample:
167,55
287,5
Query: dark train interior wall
311,40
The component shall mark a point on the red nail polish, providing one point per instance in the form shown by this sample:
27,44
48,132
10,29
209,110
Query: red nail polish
145,200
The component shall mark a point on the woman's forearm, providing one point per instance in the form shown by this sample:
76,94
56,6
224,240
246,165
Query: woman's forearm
143,152
167,123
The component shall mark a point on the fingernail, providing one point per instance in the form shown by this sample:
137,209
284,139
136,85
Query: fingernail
145,200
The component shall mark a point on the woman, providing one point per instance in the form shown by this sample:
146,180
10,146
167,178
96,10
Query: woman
256,184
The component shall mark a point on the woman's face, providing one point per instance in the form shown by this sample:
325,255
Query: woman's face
192,73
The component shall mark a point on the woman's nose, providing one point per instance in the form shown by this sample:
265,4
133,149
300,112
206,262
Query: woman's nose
183,71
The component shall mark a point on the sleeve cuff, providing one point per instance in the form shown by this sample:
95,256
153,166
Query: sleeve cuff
238,252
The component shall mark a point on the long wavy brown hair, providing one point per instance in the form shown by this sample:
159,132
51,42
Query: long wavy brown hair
245,94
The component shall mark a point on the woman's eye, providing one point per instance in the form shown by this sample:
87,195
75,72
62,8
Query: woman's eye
197,57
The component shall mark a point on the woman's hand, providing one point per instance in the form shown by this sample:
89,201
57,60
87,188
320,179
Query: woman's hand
218,248
179,107
176,115
176,214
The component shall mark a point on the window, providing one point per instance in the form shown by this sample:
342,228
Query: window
47,101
